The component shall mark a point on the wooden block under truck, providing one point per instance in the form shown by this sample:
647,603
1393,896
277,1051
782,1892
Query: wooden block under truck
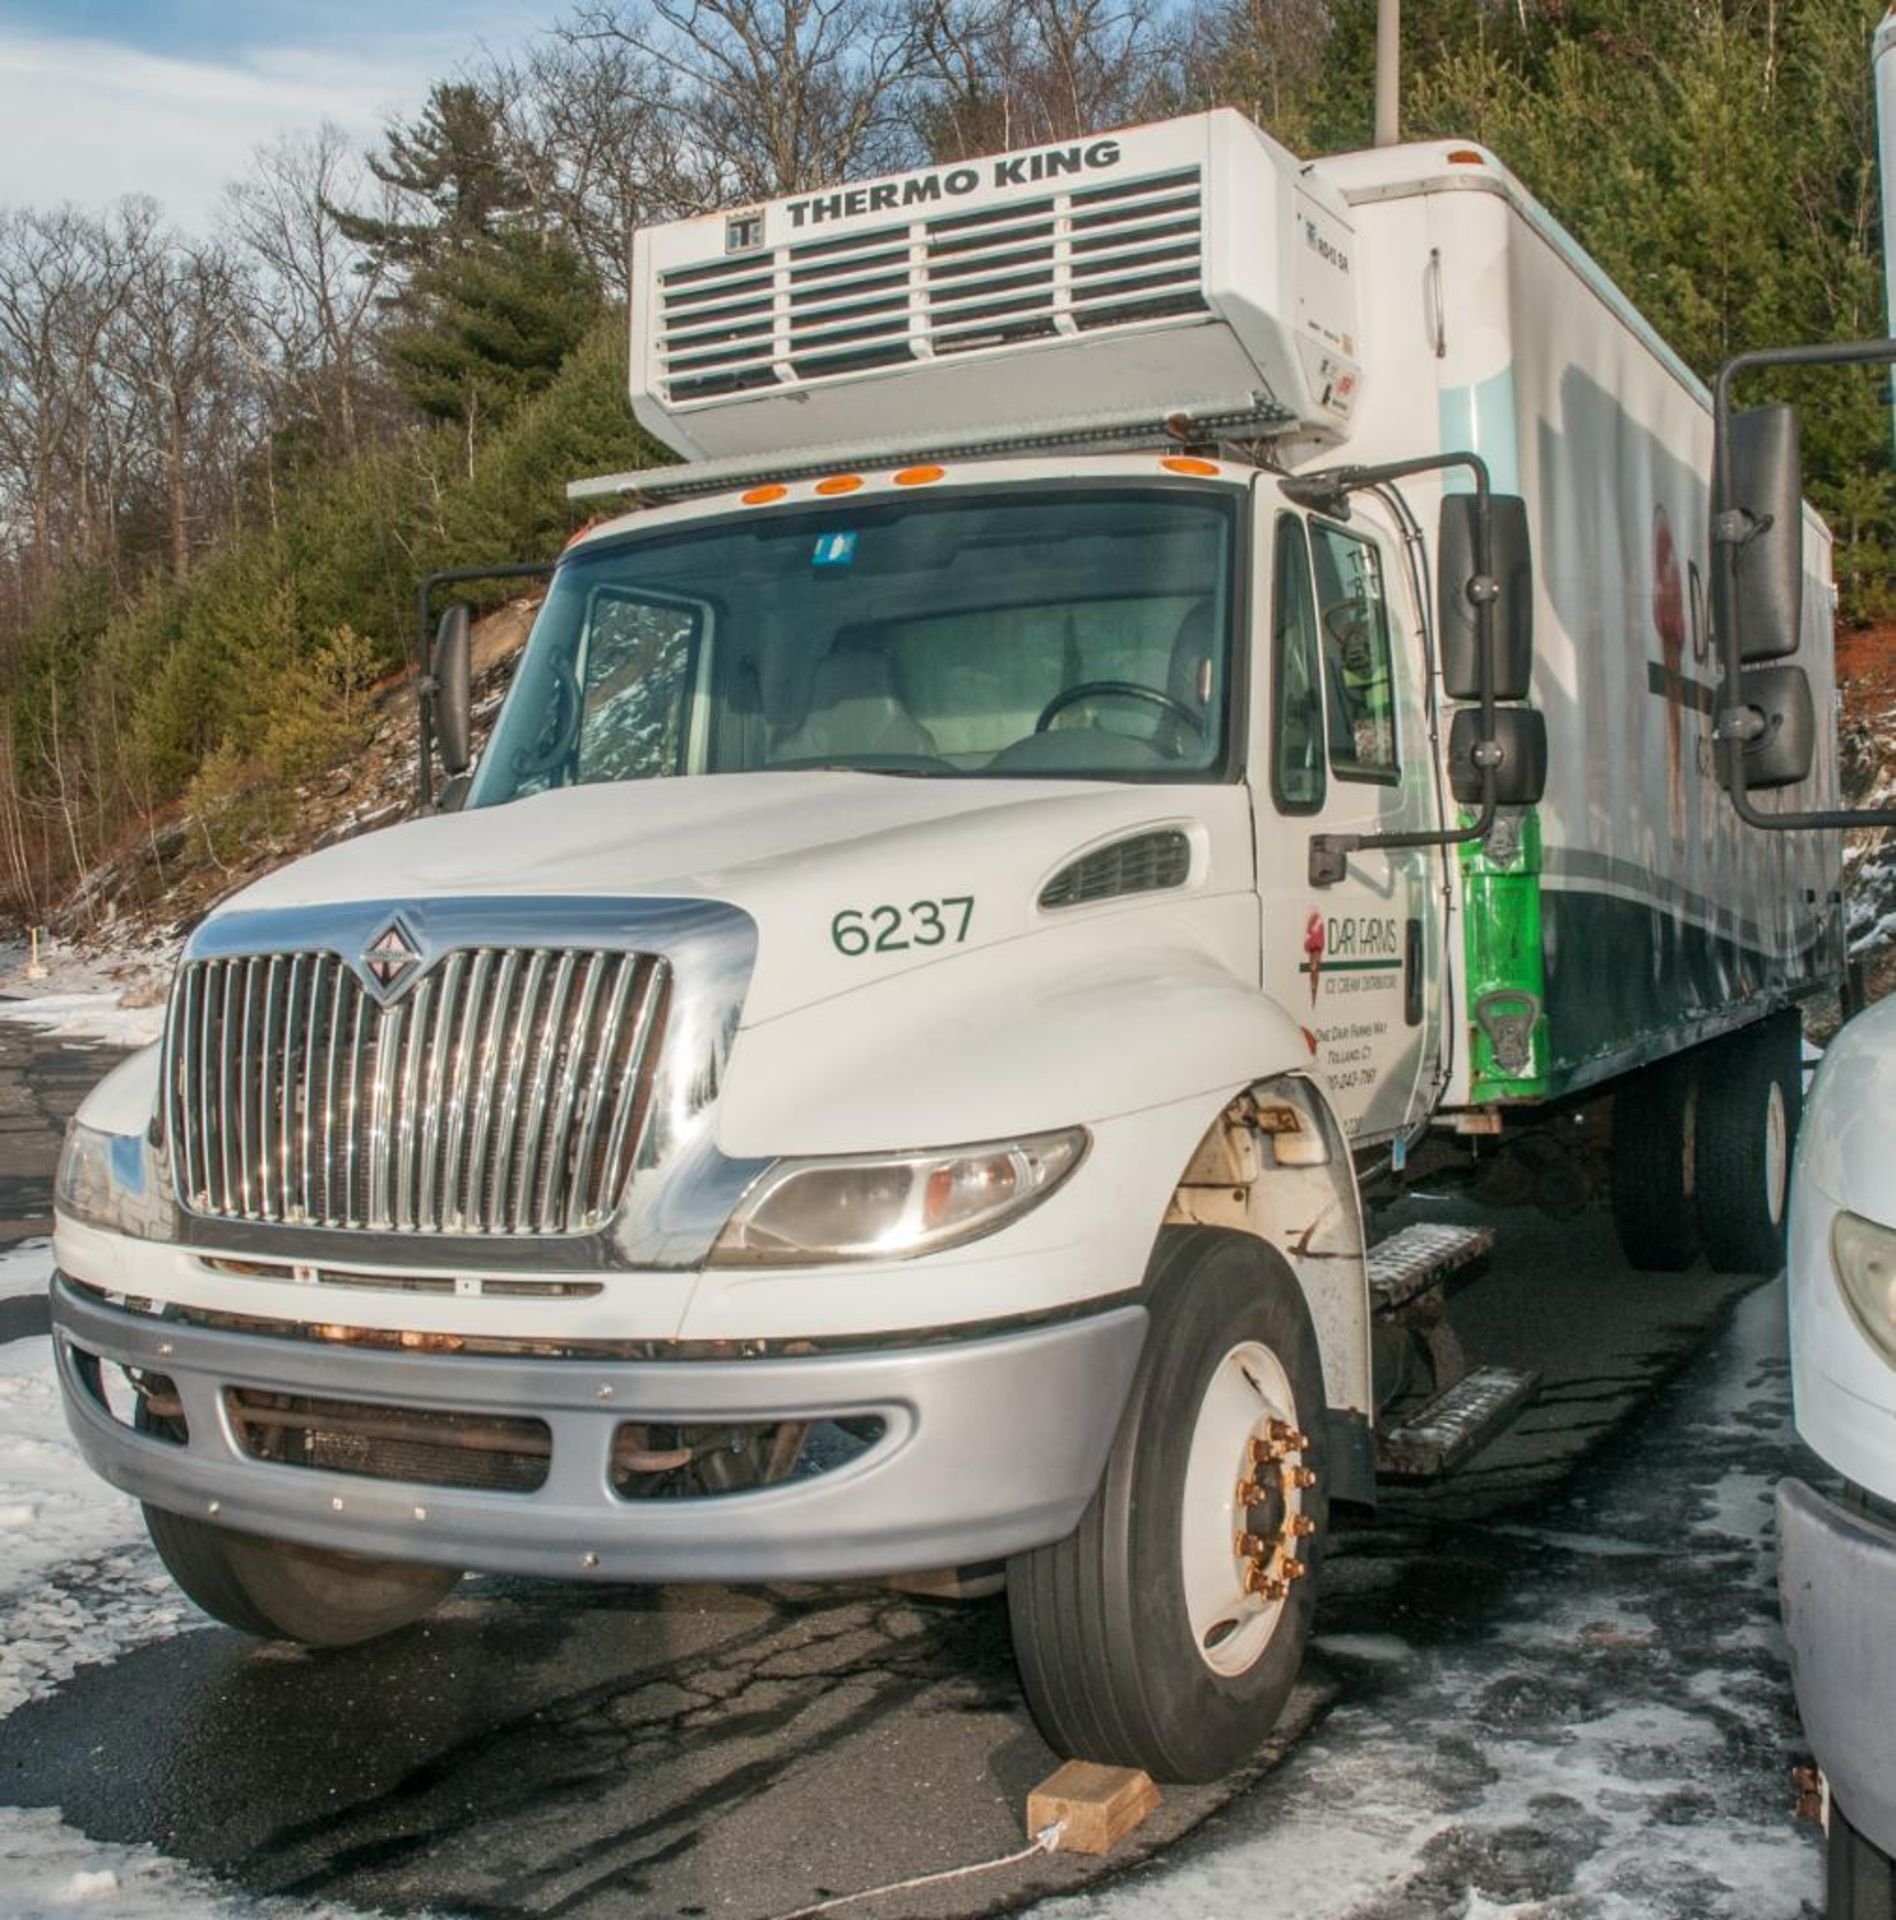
869,1072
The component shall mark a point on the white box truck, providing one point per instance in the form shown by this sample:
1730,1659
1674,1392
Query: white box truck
869,1071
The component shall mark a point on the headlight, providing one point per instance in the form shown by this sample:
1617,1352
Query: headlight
893,1206
1864,1256
113,1180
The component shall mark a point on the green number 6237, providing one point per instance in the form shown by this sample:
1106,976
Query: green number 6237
923,923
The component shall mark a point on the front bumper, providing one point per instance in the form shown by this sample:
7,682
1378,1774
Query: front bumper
989,1446
1837,1588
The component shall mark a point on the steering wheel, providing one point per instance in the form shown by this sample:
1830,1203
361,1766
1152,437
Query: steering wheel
1125,690
1348,627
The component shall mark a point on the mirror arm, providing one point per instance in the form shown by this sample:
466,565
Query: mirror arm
426,685
1326,491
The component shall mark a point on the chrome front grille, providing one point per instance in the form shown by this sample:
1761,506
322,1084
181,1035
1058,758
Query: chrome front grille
503,1093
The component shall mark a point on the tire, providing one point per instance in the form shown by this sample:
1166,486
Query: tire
1861,1877
1138,1645
277,1591
1750,1097
1654,1151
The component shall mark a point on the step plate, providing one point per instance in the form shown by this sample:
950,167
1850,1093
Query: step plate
1456,1424
1420,1257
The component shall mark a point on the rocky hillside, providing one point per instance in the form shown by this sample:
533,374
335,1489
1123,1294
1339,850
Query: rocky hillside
157,886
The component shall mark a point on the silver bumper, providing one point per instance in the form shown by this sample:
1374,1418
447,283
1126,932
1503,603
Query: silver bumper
1837,1587
989,1446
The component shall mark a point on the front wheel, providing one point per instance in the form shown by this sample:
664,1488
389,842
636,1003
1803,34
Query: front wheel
278,1591
1167,1631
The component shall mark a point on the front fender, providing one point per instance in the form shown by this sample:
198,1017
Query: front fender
125,1100
1111,1013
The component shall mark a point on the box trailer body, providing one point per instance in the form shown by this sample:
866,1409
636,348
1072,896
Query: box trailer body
873,1073
1662,918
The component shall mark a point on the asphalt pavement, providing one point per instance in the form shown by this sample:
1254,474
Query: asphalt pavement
542,1750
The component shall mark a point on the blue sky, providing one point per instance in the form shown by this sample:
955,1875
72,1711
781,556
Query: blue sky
171,97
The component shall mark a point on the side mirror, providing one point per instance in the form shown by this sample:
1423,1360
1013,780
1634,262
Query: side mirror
452,663
1763,519
1511,567
1520,776
1782,752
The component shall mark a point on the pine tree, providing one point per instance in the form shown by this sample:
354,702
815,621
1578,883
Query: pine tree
492,323
487,305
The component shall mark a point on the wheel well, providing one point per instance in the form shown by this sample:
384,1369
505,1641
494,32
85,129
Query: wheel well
1274,1164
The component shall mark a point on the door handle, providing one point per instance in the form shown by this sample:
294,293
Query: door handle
1412,973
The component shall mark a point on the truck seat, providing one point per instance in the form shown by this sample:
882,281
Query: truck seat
854,709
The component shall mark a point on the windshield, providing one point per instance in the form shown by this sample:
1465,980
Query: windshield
1080,634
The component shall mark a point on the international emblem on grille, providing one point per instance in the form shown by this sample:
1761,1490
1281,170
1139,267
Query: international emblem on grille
389,956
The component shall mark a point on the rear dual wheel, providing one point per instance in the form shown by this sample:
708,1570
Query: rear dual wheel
1751,1090
1702,1152
1167,1631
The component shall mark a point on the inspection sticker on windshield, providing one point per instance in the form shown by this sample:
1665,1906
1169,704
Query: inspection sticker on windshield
834,550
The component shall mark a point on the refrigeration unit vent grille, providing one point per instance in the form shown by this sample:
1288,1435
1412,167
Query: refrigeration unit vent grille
1063,264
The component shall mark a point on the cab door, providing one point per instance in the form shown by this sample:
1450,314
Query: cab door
1344,747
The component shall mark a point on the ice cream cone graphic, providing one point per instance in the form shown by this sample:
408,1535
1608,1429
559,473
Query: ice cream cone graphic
1313,952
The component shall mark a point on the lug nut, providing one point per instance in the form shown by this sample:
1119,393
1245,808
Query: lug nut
1302,1525
1294,1569
1250,1494
1303,1476
1266,1586
1251,1545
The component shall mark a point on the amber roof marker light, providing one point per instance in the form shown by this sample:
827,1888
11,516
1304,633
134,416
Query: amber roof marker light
920,476
763,496
1189,463
839,483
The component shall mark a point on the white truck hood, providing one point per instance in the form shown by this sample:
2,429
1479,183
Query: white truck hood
810,856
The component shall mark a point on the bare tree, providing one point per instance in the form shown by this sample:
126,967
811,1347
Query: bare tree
768,97
316,296
1009,73
594,129
179,347
1260,55
63,280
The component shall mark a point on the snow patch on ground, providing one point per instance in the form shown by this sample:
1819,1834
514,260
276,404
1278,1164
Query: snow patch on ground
25,1269
79,1584
52,1873
1603,1748
78,1581
114,997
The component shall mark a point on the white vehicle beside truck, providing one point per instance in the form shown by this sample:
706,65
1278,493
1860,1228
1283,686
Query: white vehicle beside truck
1167,679
1837,1545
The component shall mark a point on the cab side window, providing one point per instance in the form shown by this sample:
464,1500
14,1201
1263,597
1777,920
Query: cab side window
640,659
1358,671
1296,675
